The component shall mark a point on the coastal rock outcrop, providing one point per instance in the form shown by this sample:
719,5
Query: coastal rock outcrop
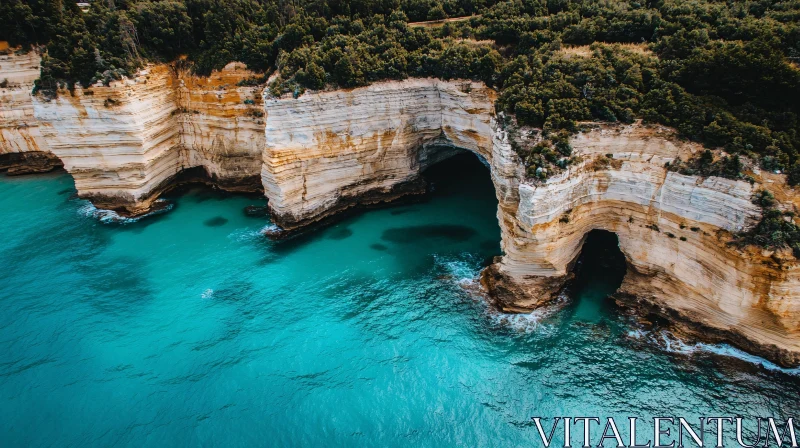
674,231
221,126
324,152
125,143
327,151
116,141
22,148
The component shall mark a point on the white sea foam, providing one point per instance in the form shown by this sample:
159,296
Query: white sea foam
533,321
245,235
464,270
110,216
524,323
672,344
271,228
207,294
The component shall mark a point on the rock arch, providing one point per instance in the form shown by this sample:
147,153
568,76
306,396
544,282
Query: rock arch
327,151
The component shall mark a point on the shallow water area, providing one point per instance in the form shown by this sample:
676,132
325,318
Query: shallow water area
190,328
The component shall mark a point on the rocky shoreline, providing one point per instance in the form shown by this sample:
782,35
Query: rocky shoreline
325,153
20,163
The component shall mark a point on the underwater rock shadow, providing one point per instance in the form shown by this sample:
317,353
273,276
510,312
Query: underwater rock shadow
217,221
339,234
402,211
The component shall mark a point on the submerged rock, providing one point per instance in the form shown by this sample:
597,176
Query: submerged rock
216,221
256,211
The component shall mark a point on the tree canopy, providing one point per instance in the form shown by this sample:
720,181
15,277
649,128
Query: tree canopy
724,73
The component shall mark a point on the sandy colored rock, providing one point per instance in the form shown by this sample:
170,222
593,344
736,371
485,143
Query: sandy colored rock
126,143
325,150
22,148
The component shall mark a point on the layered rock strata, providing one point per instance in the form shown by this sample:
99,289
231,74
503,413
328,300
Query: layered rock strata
221,126
118,141
324,152
127,142
327,151
22,147
674,231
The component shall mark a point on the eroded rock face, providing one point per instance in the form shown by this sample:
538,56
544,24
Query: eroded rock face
22,147
673,230
324,152
222,126
120,141
125,143
328,151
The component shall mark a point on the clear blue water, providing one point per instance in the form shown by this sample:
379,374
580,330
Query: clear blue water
190,329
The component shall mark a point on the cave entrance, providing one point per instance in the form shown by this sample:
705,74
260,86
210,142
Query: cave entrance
464,172
599,271
462,196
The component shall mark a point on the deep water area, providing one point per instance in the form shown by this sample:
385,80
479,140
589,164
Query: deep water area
190,328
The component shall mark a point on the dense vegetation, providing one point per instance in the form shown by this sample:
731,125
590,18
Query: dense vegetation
722,73
775,230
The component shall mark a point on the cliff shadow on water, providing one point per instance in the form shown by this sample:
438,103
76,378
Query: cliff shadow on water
598,271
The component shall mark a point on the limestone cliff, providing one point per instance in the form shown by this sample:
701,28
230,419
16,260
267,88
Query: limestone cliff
221,126
326,151
22,148
673,230
126,142
116,141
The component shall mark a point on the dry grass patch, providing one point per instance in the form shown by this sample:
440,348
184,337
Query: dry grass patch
581,51
585,51
476,43
439,23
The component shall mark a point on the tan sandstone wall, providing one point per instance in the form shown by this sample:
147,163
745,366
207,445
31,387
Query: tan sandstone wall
222,126
22,147
125,143
746,295
116,140
327,151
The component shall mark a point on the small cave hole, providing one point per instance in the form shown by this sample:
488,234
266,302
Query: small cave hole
598,271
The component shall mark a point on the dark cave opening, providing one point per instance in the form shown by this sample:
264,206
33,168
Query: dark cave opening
464,172
599,271
465,179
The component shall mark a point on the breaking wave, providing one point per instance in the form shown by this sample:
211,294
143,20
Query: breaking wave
111,217
248,234
464,270
533,321
672,344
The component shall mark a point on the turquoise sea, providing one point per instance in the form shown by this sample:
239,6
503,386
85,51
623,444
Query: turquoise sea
191,329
